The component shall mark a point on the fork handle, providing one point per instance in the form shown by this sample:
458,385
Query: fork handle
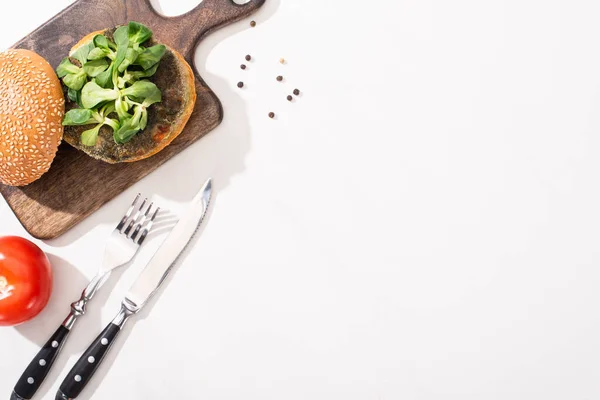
37,370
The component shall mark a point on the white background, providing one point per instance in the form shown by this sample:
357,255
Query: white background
422,223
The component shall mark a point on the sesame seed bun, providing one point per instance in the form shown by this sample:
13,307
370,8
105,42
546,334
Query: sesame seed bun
32,107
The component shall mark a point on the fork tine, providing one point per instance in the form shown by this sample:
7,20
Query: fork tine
134,219
139,224
128,213
148,227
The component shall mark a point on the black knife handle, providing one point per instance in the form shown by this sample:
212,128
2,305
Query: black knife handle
36,371
84,369
86,366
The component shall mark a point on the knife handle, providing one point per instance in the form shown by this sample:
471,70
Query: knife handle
36,371
84,369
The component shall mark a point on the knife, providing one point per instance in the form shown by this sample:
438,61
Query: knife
143,289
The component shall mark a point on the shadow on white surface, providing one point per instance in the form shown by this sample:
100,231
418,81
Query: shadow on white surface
112,355
164,222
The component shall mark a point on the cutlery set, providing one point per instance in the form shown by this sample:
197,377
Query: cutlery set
121,247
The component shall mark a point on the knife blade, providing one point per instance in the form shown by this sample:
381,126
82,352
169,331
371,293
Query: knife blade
155,273
145,286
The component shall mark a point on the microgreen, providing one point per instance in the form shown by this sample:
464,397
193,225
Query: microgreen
108,81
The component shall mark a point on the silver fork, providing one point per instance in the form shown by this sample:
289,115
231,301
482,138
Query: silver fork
122,245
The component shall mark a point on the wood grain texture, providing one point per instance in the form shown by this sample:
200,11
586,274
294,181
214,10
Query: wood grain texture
53,204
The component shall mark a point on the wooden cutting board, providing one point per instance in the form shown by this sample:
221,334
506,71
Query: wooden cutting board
77,185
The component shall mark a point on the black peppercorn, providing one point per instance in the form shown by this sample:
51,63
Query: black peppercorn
279,78
296,92
243,66
289,98
253,23
248,57
240,84
271,115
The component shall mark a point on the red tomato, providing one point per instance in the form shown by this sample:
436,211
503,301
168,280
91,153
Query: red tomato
25,280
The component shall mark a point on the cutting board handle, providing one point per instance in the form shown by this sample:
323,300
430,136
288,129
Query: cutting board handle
186,30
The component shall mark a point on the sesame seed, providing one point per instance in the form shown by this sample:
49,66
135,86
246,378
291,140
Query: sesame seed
30,117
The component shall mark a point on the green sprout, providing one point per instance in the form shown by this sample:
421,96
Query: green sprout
110,83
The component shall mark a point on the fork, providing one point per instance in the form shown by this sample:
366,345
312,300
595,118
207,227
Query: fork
122,245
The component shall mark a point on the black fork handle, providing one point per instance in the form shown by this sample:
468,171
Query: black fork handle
38,368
